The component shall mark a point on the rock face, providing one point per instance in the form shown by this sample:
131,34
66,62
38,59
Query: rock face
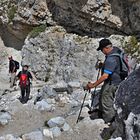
128,107
58,56
88,17
95,17
17,19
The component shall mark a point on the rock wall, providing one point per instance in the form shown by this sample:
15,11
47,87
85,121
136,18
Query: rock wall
100,18
88,17
128,107
56,55
17,19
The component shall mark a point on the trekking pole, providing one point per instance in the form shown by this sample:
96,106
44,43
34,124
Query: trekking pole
81,108
93,94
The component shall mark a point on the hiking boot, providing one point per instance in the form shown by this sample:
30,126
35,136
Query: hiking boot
21,100
94,114
107,132
110,122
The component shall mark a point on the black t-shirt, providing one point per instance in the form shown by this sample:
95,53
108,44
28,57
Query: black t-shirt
12,66
29,76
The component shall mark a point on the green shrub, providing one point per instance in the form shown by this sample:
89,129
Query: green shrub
11,13
132,48
36,30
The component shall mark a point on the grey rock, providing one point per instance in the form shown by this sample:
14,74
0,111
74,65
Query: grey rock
74,84
128,107
9,137
93,18
48,133
51,101
64,58
119,138
47,93
44,106
74,103
66,127
3,121
58,121
36,135
56,131
89,17
2,138
97,17
61,87
4,118
50,93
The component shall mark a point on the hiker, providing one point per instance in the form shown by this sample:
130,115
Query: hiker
13,66
111,78
24,77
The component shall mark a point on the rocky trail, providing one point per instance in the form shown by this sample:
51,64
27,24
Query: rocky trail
29,121
26,117
58,40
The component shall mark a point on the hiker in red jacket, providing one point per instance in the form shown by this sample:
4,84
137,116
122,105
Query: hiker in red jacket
24,77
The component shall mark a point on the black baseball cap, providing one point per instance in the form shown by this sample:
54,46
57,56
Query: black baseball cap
26,66
103,43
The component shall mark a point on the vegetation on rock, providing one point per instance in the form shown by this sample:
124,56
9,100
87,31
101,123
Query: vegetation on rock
36,30
132,48
11,12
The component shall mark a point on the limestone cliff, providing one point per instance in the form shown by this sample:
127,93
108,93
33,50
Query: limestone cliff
56,55
87,17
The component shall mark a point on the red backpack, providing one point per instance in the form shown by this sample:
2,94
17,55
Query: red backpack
24,79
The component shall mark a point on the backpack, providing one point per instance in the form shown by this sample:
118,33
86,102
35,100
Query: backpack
124,67
16,64
24,79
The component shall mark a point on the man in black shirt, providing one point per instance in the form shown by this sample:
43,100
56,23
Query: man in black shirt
24,77
12,71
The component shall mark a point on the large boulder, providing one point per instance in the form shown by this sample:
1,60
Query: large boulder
127,103
58,56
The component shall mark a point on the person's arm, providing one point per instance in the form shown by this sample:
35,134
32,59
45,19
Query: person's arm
30,75
18,75
110,65
33,76
14,66
98,82
10,66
